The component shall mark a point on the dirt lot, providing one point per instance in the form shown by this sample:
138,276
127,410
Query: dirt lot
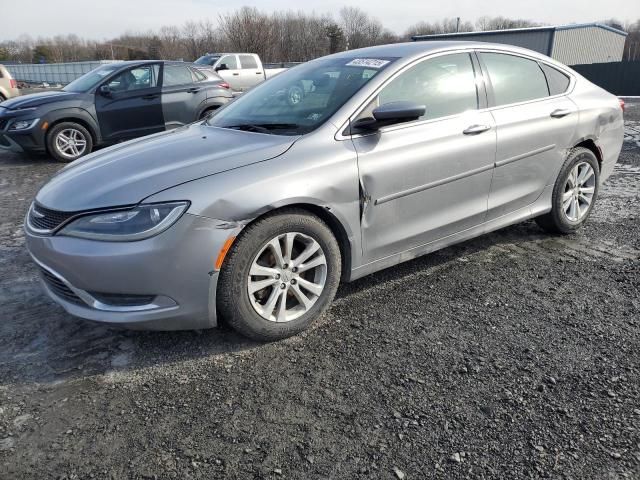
516,355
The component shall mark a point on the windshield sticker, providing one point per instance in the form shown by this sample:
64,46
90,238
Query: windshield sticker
367,62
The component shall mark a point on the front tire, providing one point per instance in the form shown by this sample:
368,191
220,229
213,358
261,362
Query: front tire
574,193
68,141
280,275
207,113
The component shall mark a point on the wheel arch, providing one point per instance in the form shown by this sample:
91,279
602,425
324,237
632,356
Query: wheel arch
75,119
335,225
590,144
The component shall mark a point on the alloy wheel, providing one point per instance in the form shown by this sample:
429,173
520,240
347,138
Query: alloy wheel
71,143
578,192
287,277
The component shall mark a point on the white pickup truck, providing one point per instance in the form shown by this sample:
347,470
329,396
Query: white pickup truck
240,70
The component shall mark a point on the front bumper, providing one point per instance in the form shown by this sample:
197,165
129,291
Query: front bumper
174,269
19,141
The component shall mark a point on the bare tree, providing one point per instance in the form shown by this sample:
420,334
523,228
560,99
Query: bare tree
447,25
247,30
503,23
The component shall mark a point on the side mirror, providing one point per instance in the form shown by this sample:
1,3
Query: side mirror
105,90
390,114
222,66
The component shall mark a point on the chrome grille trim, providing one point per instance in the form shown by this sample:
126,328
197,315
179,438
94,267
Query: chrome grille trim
44,221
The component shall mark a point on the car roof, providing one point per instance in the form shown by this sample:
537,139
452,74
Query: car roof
410,50
127,63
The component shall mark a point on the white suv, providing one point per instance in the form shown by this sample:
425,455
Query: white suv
8,86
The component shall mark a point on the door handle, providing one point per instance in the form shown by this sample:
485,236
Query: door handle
258,73
194,90
236,74
150,96
476,129
560,112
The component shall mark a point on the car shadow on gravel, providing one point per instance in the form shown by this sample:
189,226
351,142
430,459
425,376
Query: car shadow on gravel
41,343
518,234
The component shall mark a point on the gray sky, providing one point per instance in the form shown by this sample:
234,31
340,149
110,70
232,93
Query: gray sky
101,19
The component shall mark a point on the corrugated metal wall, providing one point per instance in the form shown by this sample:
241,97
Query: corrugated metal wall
52,73
573,46
537,40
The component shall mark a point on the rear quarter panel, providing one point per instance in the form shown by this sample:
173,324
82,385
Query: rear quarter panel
601,120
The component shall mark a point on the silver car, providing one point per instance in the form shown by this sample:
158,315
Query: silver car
255,215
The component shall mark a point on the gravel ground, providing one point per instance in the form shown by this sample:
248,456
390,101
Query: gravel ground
515,355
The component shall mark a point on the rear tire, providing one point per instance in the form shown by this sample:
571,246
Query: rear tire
253,260
68,141
2,98
574,193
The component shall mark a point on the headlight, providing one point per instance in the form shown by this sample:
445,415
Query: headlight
126,225
23,124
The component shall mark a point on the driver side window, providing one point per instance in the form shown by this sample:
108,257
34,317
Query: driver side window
137,78
445,85
230,61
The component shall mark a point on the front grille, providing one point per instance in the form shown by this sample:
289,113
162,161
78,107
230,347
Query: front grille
58,287
46,219
3,124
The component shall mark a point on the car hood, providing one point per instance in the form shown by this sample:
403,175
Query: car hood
37,99
127,173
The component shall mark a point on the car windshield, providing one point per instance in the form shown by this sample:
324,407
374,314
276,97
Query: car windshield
301,99
89,80
207,60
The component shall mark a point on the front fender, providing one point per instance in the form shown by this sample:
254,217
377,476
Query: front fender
77,114
324,178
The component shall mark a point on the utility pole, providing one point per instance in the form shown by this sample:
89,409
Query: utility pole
457,24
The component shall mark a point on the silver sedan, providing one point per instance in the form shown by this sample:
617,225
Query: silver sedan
256,214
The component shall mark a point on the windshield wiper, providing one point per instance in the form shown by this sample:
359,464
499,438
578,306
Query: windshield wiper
263,127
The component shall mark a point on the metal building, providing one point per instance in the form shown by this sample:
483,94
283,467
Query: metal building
52,73
570,44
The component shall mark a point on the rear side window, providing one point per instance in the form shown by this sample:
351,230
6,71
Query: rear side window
230,61
176,75
514,79
445,85
198,76
247,61
558,82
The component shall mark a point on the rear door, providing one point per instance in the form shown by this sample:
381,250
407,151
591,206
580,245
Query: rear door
535,128
250,72
132,107
181,95
430,178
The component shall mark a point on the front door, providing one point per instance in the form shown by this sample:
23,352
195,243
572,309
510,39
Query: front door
231,71
132,106
430,178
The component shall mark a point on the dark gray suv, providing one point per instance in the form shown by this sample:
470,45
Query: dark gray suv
116,102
